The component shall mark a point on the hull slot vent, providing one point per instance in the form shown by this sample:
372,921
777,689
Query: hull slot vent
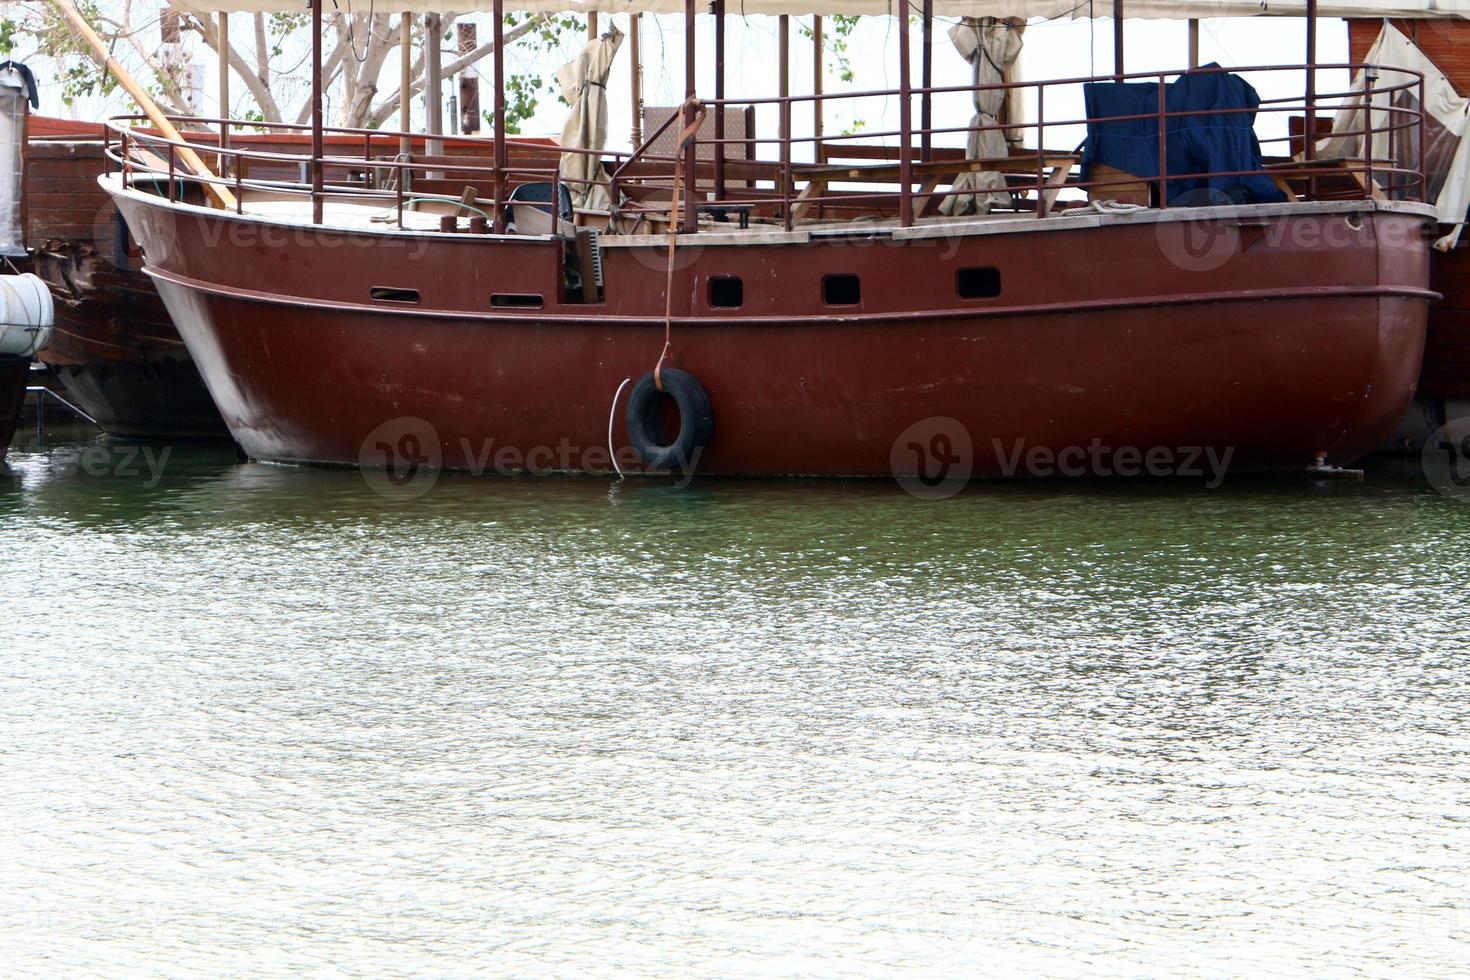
523,301
395,294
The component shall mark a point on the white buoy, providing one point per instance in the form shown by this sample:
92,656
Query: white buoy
26,315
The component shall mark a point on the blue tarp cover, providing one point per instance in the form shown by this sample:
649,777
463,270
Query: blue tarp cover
1210,142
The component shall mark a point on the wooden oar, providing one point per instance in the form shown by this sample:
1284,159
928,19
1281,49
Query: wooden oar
218,193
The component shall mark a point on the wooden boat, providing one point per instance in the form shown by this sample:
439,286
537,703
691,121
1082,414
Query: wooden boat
115,350
338,316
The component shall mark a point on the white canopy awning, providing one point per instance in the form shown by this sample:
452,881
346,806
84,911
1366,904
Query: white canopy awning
1178,9
1440,101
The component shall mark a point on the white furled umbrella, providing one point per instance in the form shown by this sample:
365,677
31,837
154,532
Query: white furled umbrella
583,83
991,46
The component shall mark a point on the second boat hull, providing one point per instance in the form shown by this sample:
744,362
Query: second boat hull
13,374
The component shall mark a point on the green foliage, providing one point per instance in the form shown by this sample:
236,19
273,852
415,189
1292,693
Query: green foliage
8,29
836,30
522,93
282,26
255,115
524,90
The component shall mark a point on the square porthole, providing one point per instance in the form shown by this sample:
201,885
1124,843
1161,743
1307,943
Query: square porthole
726,291
982,283
842,290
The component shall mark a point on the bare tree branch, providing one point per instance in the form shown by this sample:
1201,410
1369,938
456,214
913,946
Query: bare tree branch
389,105
265,100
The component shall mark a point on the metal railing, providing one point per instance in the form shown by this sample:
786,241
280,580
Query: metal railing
142,154
640,182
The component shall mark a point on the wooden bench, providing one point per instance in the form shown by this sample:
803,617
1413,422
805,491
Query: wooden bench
818,176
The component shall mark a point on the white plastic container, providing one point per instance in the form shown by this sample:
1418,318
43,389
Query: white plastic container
26,315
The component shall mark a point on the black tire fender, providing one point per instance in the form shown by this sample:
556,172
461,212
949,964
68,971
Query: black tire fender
696,421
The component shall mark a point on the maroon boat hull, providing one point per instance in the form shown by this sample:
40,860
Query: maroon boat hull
1305,339
13,374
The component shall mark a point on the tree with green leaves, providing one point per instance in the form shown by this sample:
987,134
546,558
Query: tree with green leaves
268,59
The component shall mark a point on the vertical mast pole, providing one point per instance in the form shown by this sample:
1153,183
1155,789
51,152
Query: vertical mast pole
1118,38
691,214
433,84
636,64
405,82
1309,125
1194,42
817,66
905,120
717,7
501,154
316,112
224,88
783,70
926,80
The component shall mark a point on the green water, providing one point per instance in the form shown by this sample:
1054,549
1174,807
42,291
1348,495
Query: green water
263,719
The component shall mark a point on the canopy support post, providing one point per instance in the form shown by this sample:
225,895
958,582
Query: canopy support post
817,67
1194,42
905,120
224,90
926,81
501,154
591,26
1309,125
1118,39
316,112
691,213
405,82
433,85
717,7
636,66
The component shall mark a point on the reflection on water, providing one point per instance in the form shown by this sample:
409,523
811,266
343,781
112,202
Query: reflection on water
258,718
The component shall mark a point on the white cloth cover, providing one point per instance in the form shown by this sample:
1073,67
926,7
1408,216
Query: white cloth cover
991,47
1393,48
583,82
13,108
1178,9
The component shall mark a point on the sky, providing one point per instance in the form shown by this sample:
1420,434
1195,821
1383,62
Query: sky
1055,49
